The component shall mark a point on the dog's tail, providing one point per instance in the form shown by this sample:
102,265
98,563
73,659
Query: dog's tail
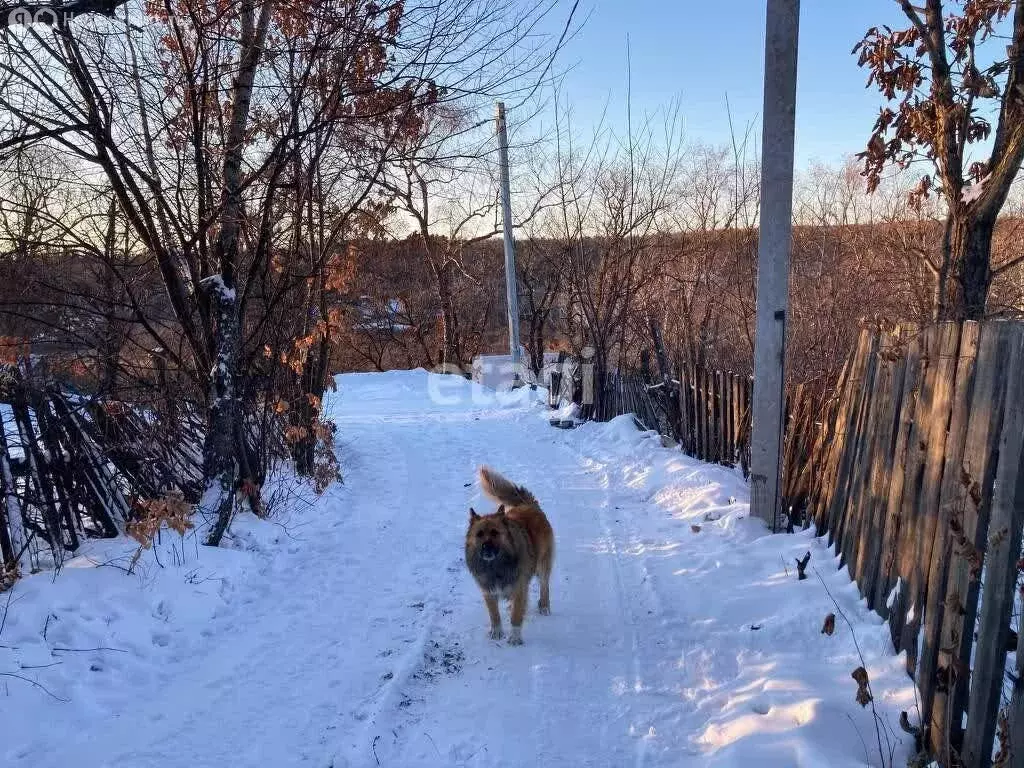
504,491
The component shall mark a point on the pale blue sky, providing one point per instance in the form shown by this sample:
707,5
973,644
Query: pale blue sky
701,50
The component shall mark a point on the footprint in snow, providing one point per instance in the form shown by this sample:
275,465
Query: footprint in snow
761,706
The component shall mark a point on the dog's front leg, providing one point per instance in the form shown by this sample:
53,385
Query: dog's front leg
519,598
492,609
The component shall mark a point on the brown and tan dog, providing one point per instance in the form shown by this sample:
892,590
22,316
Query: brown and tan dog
505,549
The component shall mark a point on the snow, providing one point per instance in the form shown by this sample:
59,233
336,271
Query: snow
972,192
347,632
11,434
216,283
894,593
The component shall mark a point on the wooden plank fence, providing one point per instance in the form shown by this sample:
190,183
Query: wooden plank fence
922,493
72,467
714,414
707,412
913,467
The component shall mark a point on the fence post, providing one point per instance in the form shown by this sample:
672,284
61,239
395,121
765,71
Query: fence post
685,420
699,412
728,437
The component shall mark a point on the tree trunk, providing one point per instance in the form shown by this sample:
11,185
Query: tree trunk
664,367
307,413
221,463
596,369
451,347
966,274
110,346
537,345
223,457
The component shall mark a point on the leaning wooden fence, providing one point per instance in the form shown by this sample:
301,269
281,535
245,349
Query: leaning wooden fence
72,467
707,411
627,392
914,468
922,493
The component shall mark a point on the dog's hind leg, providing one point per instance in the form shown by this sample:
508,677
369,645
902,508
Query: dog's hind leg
544,576
519,598
492,609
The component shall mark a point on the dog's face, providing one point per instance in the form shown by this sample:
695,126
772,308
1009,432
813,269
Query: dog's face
488,537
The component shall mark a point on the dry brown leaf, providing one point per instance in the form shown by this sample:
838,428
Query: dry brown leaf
860,676
830,624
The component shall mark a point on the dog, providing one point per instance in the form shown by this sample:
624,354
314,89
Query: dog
504,551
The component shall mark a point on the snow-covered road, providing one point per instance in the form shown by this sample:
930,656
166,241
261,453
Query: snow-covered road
349,634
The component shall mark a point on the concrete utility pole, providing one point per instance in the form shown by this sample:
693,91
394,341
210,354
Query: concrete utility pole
780,57
511,283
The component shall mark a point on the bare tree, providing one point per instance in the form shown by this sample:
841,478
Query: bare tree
945,100
241,143
612,199
445,183
539,272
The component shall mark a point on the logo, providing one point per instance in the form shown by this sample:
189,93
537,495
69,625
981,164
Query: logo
54,14
23,16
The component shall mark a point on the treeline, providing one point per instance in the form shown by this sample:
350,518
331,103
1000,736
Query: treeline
854,259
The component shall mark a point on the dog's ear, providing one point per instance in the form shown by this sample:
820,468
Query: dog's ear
473,516
501,511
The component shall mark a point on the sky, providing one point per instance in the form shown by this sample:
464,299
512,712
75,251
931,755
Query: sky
700,51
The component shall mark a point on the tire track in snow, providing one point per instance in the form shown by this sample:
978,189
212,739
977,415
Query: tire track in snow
599,567
387,697
625,606
656,637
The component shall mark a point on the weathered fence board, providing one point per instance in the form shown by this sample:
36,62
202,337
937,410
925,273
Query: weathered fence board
873,386
844,424
851,437
969,526
938,394
954,426
1001,570
891,500
829,455
707,397
910,512
868,556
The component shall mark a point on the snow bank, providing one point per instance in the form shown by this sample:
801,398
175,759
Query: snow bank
771,688
79,646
